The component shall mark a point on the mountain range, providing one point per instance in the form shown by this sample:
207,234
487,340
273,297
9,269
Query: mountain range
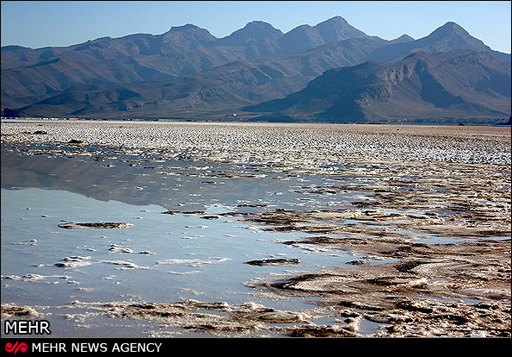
328,72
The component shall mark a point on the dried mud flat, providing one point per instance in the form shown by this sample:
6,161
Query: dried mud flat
428,222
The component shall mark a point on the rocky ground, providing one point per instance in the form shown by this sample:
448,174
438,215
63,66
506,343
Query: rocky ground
431,230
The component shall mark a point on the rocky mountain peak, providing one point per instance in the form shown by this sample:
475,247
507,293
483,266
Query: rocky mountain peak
453,36
183,28
254,30
190,30
449,29
337,29
403,38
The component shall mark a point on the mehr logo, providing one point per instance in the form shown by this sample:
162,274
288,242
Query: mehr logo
16,347
27,327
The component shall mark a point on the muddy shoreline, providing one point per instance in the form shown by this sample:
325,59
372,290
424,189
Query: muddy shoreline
430,225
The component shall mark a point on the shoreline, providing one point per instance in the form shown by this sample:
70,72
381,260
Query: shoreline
249,123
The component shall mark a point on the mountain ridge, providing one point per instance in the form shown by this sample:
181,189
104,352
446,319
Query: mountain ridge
187,72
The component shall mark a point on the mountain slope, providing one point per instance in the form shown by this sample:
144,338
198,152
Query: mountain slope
222,88
442,87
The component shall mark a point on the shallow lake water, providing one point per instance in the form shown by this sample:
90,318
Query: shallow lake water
368,232
161,257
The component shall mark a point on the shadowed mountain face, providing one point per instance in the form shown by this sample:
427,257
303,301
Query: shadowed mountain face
442,87
187,72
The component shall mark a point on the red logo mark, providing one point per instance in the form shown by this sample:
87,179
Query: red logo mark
9,347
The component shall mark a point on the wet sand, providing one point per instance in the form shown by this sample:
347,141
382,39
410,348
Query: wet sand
430,223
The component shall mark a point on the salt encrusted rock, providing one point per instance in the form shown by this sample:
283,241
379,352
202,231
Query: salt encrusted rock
184,212
99,225
74,261
11,311
391,281
277,261
76,142
323,331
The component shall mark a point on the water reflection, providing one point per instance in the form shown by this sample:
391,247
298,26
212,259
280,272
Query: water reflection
161,257
171,183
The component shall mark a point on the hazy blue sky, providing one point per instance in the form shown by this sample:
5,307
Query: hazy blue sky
61,23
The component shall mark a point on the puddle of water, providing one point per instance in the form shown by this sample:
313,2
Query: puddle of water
173,251
161,258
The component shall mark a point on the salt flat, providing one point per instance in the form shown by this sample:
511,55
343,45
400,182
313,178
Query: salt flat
425,211
303,145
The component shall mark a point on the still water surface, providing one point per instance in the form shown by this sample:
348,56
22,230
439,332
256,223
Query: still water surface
162,257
